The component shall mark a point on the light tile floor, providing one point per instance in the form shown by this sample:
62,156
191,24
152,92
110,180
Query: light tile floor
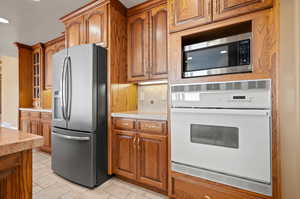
47,185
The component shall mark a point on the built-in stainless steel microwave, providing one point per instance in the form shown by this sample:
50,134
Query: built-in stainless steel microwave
221,56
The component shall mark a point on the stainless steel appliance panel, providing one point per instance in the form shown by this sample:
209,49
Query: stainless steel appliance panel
59,64
82,88
221,56
73,156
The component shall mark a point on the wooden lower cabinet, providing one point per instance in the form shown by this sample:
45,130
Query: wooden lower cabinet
141,156
39,124
16,175
125,154
188,187
25,124
35,127
46,131
152,160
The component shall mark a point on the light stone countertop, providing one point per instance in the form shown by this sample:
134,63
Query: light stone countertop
13,141
141,115
36,110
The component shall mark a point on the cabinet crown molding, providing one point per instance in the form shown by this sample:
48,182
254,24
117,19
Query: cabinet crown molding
143,7
82,9
54,41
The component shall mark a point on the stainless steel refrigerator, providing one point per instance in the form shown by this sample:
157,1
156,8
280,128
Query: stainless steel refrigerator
79,123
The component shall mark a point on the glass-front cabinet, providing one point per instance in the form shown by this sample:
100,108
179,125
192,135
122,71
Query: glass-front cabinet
37,63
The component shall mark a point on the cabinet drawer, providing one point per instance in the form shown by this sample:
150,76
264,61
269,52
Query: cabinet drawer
35,115
184,186
25,114
124,124
46,116
9,162
156,127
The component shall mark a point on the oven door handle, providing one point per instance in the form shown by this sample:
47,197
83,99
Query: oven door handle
222,111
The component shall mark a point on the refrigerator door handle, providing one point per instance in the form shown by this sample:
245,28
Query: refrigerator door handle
62,89
69,88
71,137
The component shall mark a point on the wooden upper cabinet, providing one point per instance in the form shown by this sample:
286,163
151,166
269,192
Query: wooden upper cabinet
184,14
48,66
74,31
159,43
228,8
37,73
138,47
152,160
125,154
58,45
96,26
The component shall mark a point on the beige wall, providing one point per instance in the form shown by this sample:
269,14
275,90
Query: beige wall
10,91
289,98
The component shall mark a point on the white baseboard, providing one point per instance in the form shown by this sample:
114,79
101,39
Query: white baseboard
8,126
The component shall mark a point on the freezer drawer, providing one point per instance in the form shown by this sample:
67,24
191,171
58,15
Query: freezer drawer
73,156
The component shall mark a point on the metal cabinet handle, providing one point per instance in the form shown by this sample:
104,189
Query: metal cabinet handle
138,144
151,127
71,137
207,197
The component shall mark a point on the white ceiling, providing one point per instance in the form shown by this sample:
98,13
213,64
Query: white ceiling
130,3
32,22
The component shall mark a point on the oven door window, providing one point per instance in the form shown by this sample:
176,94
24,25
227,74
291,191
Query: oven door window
215,135
211,58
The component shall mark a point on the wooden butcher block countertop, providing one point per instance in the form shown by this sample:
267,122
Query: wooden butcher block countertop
13,141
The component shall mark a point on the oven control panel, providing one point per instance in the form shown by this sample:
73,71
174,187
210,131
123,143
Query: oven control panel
240,94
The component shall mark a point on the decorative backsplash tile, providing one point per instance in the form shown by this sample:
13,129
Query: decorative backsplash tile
153,98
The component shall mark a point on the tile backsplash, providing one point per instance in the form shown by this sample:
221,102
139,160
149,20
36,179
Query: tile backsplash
152,98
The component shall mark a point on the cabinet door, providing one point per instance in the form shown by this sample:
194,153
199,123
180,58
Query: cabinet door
125,154
229,8
35,127
46,132
37,76
48,65
74,32
159,43
184,14
25,125
138,47
60,46
152,160
96,26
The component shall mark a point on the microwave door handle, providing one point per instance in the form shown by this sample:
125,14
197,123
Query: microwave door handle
222,111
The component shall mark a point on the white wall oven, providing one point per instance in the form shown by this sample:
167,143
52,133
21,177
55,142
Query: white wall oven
222,132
